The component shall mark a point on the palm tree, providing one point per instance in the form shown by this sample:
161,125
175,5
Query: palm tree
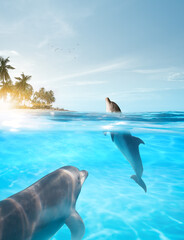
6,83
38,98
49,97
4,67
23,90
43,99
6,88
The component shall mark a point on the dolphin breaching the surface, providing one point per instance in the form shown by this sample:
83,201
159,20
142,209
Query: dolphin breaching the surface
129,147
39,211
111,106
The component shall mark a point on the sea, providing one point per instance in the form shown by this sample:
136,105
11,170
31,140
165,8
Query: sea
111,204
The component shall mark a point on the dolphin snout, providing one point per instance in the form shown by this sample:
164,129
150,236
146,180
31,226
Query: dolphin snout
83,176
107,99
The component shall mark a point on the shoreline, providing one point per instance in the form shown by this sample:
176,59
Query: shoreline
41,109
36,110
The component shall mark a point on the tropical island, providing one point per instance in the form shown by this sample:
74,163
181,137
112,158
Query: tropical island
21,93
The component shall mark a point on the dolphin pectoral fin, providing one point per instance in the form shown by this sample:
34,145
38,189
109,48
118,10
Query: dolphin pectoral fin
76,226
140,182
138,140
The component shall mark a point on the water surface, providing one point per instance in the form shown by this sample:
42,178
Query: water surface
111,204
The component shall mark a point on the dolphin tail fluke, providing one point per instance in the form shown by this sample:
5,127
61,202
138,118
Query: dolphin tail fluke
140,182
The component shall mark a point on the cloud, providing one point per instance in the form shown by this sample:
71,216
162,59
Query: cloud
150,71
177,76
141,92
51,25
57,27
137,91
66,28
43,43
84,83
105,68
8,53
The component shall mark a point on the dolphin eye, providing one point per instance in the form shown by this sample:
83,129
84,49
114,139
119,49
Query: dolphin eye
78,179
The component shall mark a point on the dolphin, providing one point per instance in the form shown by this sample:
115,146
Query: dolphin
129,147
39,211
111,106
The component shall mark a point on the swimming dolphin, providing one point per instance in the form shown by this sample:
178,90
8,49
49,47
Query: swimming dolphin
129,146
111,106
39,211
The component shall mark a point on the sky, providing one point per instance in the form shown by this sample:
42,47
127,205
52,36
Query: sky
131,51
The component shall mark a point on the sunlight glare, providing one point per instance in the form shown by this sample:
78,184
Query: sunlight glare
6,104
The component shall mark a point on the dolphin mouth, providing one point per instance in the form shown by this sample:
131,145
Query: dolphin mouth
83,176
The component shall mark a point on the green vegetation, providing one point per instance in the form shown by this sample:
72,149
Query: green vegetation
21,92
43,99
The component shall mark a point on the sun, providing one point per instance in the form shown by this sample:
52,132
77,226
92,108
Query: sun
6,104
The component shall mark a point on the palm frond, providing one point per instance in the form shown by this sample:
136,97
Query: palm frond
10,67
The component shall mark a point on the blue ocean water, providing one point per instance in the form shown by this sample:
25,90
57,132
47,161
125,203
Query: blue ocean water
112,205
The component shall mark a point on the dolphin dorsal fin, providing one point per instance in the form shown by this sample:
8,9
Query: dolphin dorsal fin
138,140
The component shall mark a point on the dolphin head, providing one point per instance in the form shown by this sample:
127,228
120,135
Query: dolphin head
107,100
111,106
78,178
83,175
108,104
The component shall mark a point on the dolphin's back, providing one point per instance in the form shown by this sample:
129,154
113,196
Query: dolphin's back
115,107
135,159
129,146
25,209
12,215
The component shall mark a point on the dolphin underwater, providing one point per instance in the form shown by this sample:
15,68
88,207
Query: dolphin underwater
129,147
39,211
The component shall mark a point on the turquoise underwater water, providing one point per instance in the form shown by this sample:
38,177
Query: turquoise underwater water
111,204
